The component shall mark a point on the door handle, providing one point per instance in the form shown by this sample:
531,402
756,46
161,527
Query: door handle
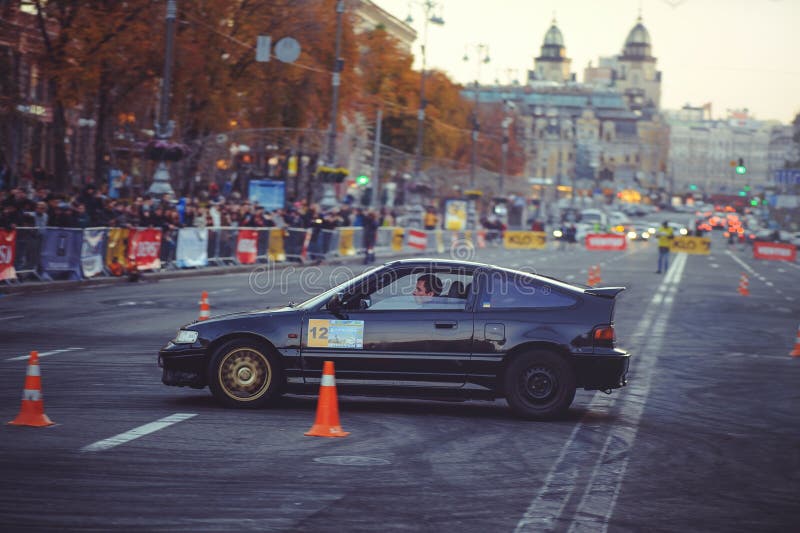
446,324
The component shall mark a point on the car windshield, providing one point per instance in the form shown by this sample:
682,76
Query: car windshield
314,301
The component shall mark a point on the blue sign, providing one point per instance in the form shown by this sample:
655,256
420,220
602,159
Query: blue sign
270,194
788,176
61,253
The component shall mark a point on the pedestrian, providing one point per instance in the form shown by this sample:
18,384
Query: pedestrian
370,236
665,236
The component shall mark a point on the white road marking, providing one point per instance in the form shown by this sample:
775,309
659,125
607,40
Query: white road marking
714,265
135,433
43,354
742,263
603,486
11,317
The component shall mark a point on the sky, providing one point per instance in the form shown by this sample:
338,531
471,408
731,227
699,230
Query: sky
735,54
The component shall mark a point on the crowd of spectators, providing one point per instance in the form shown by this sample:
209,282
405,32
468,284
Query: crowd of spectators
92,207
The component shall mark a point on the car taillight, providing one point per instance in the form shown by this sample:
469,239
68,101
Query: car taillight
604,336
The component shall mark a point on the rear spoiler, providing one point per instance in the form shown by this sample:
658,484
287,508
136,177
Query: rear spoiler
605,292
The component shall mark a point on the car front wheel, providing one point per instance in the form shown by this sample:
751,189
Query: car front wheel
539,385
244,374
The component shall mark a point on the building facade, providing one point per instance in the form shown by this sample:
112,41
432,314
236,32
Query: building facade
598,137
26,112
704,152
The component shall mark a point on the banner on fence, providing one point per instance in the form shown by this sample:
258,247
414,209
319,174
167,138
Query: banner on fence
117,247
144,246
774,251
192,248
276,251
346,246
524,240
247,246
8,248
92,252
417,239
606,241
397,239
61,252
455,215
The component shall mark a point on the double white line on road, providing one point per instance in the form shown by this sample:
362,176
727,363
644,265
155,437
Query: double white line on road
557,505
135,433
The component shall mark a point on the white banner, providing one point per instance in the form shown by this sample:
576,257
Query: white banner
92,252
192,248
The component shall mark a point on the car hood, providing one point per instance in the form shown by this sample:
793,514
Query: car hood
243,314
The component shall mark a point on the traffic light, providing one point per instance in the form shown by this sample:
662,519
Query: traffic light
740,168
692,187
362,180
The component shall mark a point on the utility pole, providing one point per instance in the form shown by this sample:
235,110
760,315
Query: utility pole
164,126
335,83
376,162
481,56
428,5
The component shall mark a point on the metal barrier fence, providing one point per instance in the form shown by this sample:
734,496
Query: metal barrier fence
150,249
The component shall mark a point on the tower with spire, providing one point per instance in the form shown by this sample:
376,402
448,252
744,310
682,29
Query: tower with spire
636,75
552,63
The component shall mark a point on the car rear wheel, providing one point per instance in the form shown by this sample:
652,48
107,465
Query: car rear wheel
539,385
244,374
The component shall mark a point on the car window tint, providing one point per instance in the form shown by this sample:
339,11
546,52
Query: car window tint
519,292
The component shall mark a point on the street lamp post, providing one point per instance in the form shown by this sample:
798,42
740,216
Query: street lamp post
164,126
428,6
336,80
481,56
507,120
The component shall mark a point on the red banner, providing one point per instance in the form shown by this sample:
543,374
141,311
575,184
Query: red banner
774,251
606,241
247,246
144,247
8,249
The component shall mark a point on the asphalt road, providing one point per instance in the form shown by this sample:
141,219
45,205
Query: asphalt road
706,436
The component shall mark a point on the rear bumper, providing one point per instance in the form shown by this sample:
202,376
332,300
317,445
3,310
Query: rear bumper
601,371
182,365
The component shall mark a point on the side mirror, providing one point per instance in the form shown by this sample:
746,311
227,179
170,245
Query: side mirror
364,303
335,303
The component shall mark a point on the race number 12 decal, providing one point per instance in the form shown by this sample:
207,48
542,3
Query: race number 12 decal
335,333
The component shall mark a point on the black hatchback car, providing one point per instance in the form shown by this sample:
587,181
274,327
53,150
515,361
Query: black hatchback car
421,328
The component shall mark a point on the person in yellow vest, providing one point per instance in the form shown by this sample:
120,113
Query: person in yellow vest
665,235
431,220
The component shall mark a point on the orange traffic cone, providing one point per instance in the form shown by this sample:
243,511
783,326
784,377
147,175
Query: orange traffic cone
32,411
205,309
590,277
796,351
597,279
327,422
743,285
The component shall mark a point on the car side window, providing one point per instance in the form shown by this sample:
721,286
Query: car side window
399,294
509,292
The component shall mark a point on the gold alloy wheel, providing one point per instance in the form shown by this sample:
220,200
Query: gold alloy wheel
244,374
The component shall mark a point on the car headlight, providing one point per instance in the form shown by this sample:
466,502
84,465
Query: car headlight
185,337
684,231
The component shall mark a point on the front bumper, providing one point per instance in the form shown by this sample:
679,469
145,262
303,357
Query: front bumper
602,371
183,365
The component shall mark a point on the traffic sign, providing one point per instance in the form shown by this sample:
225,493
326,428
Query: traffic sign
263,46
287,50
789,176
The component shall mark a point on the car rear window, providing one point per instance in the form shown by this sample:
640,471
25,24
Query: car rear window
519,292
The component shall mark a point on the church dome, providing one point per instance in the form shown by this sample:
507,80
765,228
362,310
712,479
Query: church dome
638,43
553,36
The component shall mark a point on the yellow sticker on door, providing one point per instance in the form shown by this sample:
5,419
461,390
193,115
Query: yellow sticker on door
335,333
